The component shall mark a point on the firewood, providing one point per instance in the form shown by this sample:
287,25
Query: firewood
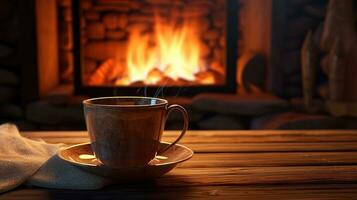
100,75
324,63
251,71
308,68
217,67
341,109
339,22
350,79
342,81
337,71
323,91
206,78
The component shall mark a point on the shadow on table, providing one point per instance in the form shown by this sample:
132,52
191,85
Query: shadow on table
137,190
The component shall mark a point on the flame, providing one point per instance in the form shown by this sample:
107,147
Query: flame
140,57
171,51
178,50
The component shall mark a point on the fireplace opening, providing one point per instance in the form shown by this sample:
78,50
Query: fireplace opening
180,46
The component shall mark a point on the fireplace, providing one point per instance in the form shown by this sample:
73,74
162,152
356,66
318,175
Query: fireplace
147,47
45,63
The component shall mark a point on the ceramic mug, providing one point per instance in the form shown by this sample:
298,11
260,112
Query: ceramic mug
126,131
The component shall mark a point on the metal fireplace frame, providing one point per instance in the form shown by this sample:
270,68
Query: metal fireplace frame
231,57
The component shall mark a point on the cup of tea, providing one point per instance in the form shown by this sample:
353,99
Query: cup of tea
126,131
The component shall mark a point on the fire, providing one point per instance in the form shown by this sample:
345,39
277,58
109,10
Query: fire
169,54
140,56
179,51
172,52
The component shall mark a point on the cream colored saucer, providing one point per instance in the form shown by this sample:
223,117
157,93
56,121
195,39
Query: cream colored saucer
81,155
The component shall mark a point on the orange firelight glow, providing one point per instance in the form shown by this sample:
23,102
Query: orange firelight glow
171,53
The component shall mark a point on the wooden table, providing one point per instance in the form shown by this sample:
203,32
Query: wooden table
236,165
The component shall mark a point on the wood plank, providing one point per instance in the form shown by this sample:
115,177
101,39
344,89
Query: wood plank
230,136
272,147
222,147
206,141
219,132
210,144
344,191
187,177
215,139
270,159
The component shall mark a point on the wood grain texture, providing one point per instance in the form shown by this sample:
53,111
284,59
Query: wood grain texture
236,165
312,192
277,159
224,136
181,177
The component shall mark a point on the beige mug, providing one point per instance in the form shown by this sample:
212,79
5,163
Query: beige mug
126,131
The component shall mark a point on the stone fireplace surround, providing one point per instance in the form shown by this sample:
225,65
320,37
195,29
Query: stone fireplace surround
39,102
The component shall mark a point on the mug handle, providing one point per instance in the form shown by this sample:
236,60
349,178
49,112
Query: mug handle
185,124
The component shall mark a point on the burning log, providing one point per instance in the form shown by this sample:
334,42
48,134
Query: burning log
206,78
154,76
215,66
101,74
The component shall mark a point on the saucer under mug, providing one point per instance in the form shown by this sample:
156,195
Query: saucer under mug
82,156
